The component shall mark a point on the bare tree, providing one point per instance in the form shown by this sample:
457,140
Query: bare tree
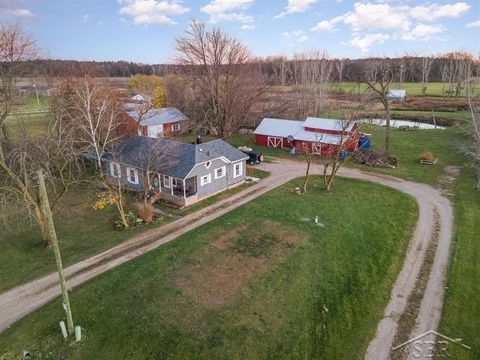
21,158
340,67
15,47
92,113
426,67
52,153
378,86
224,76
340,156
311,75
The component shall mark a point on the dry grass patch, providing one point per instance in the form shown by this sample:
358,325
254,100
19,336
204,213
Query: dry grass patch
222,270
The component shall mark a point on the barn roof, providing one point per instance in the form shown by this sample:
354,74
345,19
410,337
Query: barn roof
327,124
159,116
279,127
169,157
320,138
295,128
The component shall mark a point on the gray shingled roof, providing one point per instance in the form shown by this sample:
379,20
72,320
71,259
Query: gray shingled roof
159,116
169,157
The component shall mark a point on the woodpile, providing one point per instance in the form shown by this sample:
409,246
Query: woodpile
375,158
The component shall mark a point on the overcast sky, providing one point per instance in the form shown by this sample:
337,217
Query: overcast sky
145,30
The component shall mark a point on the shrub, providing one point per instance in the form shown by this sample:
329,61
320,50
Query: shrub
132,219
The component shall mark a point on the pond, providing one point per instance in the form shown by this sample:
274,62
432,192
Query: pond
402,123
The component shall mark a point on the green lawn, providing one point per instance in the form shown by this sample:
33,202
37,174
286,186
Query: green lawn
32,124
31,103
259,282
413,89
82,232
461,310
407,147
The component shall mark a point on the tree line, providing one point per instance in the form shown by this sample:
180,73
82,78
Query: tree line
447,67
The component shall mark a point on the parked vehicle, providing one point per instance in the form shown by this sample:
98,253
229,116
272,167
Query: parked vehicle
255,157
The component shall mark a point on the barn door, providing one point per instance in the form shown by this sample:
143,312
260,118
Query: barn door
275,142
317,148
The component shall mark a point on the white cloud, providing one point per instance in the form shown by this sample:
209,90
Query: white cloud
328,25
145,12
475,24
9,8
228,10
435,11
296,35
423,32
324,25
302,38
394,21
248,26
399,18
376,16
296,6
365,42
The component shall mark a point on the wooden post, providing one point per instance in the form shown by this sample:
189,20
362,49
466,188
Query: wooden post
56,249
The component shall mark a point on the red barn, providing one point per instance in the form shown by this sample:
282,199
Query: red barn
155,123
314,135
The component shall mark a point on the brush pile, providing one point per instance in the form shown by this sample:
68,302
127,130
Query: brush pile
375,158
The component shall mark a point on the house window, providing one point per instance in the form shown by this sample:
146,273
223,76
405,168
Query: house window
174,182
115,170
176,127
220,172
208,164
205,179
237,169
166,181
132,176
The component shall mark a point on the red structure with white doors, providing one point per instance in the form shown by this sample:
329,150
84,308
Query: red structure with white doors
314,135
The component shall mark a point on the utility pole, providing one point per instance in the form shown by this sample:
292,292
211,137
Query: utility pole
56,250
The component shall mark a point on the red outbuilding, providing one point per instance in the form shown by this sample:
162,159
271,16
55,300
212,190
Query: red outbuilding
156,123
314,135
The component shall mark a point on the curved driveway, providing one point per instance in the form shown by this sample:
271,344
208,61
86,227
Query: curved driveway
22,300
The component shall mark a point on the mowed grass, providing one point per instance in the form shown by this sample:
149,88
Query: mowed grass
30,125
306,291
461,309
82,232
407,146
413,89
30,103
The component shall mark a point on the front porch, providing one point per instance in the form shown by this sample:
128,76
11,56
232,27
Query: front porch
181,192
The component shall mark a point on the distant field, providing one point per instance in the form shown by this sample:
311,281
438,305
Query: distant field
32,124
31,103
413,89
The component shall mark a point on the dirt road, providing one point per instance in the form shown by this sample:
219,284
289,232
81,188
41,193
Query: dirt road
24,299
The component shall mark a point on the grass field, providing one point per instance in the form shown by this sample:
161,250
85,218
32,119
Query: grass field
31,103
31,124
82,232
461,311
258,282
413,89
